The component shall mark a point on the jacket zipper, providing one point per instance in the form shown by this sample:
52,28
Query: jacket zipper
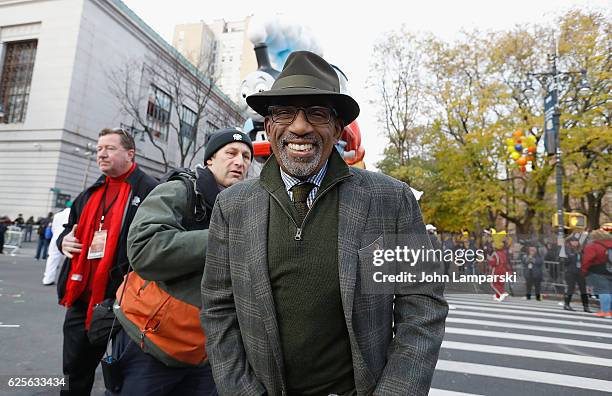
298,229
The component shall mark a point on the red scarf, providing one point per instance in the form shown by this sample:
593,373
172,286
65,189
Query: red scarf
88,277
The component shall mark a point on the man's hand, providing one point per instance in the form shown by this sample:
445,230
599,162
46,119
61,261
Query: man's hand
71,245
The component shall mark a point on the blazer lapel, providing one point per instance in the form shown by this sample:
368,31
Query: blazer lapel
353,216
353,213
256,255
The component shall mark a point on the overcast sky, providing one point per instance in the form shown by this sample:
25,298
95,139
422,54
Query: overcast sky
347,32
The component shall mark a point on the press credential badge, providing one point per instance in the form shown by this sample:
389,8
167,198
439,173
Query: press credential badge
98,244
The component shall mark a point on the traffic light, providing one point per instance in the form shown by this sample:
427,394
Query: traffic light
571,221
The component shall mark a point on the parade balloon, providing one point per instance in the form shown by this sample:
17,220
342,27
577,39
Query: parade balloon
517,134
530,158
521,161
518,148
523,169
531,149
515,155
509,142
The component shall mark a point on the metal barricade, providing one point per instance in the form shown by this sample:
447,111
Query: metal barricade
554,274
13,238
554,270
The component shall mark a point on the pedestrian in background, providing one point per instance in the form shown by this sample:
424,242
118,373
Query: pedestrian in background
19,221
470,245
532,266
44,237
55,256
573,273
447,244
3,226
499,263
94,242
597,266
29,225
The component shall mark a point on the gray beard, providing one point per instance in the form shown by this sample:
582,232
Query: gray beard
299,167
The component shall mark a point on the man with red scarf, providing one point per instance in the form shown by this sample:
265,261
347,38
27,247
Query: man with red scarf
94,242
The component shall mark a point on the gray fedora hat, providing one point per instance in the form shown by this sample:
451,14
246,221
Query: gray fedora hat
306,75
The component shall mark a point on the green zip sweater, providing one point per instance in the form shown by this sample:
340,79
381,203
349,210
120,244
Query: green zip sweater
306,288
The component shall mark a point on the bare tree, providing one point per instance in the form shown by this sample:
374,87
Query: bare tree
394,76
150,90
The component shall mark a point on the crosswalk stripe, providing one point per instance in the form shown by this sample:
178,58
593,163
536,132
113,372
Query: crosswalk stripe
567,314
511,299
524,312
527,337
529,308
570,350
442,392
528,353
509,325
525,375
524,319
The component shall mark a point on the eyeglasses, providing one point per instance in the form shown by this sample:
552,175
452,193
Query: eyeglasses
316,115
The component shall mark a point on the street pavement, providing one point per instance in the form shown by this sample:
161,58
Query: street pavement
30,324
516,347
521,347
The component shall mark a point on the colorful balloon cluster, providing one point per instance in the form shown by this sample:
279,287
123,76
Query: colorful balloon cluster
521,149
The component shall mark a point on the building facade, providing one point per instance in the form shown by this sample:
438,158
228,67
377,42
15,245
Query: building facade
59,60
234,56
197,43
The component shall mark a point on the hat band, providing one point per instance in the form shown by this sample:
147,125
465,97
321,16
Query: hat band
303,81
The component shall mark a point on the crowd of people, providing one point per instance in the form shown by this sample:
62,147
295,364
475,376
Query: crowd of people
234,288
207,283
27,227
585,262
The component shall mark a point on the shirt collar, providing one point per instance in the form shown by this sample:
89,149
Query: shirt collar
315,179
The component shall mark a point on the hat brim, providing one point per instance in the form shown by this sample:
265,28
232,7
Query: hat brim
346,106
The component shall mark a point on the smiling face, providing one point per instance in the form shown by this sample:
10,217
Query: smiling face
113,159
301,148
230,163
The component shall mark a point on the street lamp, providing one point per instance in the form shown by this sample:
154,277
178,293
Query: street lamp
90,153
550,80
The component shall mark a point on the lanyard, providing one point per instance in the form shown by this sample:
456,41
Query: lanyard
105,208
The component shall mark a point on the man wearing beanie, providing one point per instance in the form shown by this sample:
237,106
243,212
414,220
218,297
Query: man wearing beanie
286,304
167,244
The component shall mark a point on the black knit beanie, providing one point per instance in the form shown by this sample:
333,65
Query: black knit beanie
222,137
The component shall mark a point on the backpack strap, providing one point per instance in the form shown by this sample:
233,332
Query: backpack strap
195,199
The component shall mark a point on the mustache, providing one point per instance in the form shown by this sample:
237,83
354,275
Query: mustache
312,139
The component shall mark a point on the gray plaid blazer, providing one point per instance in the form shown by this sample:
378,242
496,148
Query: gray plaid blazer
395,338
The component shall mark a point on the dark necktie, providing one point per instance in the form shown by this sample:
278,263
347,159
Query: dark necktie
300,195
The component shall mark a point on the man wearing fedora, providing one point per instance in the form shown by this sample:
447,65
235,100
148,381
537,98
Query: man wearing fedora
284,306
